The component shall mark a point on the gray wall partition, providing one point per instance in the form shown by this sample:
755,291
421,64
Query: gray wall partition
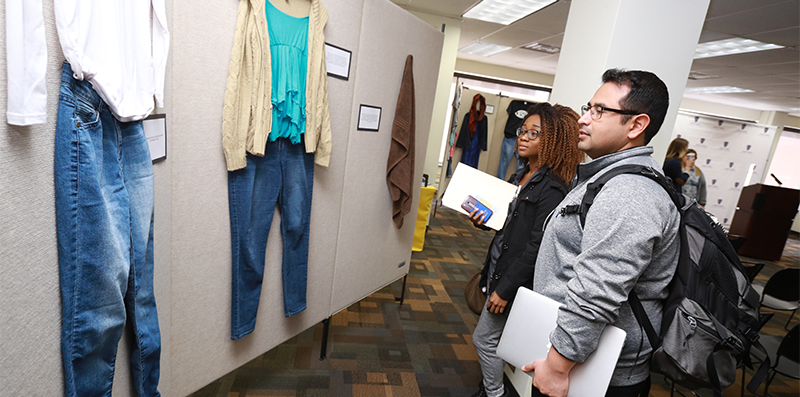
354,248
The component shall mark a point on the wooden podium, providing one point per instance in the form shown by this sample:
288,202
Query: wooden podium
764,216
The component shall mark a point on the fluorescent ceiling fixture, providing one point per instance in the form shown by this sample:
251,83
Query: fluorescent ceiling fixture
483,49
736,45
717,90
701,76
546,48
505,12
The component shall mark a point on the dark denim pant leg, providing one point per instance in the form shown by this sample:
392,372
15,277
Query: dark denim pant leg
252,195
94,220
297,168
137,170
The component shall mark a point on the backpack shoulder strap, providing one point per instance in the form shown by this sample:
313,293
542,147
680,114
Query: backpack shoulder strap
594,187
588,199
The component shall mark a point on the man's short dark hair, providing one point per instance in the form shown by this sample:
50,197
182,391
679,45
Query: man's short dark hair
648,95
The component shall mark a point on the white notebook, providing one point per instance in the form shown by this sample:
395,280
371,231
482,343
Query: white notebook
526,338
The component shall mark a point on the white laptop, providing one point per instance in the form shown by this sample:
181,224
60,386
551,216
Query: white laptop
526,338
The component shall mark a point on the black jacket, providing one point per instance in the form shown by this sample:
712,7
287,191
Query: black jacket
523,233
481,132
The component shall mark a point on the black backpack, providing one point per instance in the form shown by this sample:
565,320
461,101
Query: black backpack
711,315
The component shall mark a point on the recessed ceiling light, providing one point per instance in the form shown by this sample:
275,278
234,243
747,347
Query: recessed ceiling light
505,12
717,90
550,49
736,45
483,49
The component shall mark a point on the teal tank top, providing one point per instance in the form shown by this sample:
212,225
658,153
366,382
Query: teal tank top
288,45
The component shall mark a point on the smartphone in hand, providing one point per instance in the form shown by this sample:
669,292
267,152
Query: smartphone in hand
471,203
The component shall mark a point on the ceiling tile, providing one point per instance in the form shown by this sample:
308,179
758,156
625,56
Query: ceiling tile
789,37
553,40
513,36
789,68
451,8
473,29
755,58
551,19
718,8
764,19
710,35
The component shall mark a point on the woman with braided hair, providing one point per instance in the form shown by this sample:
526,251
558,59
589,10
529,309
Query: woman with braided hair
548,143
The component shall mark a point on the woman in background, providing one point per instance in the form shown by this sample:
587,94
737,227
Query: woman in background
673,163
548,143
695,186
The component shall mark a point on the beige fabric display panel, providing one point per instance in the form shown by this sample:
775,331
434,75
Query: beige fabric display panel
30,293
202,42
370,247
497,134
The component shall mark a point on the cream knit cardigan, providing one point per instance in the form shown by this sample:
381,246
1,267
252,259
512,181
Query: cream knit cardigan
247,115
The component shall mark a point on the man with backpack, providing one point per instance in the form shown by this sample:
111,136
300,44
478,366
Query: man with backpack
628,241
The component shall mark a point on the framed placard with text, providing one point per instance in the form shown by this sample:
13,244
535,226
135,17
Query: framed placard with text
155,129
337,61
369,118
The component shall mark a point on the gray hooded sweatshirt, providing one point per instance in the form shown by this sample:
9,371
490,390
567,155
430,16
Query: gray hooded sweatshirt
630,241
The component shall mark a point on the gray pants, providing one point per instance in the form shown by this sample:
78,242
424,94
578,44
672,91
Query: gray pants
485,338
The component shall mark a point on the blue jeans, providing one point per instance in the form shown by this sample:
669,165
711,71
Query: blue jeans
283,177
104,224
506,153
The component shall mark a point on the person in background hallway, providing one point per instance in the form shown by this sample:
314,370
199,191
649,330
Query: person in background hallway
672,164
695,186
629,240
548,143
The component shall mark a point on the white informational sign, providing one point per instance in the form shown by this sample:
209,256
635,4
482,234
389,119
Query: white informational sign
726,151
337,61
155,129
369,118
496,194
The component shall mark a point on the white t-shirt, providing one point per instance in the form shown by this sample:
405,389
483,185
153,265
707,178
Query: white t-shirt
112,44
26,55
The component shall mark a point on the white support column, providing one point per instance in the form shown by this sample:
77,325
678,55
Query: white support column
658,36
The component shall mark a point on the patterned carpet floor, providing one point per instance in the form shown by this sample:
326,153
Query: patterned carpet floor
377,347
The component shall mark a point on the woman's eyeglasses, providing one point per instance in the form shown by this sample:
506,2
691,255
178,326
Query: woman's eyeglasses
532,134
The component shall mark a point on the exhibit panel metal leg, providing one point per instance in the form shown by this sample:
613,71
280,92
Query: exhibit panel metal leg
402,292
326,325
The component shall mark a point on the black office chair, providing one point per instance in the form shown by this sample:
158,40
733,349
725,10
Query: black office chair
751,269
782,292
784,356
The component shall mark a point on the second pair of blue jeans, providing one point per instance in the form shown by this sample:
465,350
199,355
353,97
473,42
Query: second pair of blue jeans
506,154
104,222
283,177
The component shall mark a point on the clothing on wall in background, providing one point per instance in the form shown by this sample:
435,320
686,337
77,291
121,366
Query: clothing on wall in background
288,46
26,63
400,166
288,130
474,132
517,110
247,115
104,221
284,176
125,69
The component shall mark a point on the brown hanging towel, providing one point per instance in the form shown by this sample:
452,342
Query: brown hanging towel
400,167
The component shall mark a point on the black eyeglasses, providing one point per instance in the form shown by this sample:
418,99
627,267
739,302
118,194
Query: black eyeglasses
597,111
532,134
